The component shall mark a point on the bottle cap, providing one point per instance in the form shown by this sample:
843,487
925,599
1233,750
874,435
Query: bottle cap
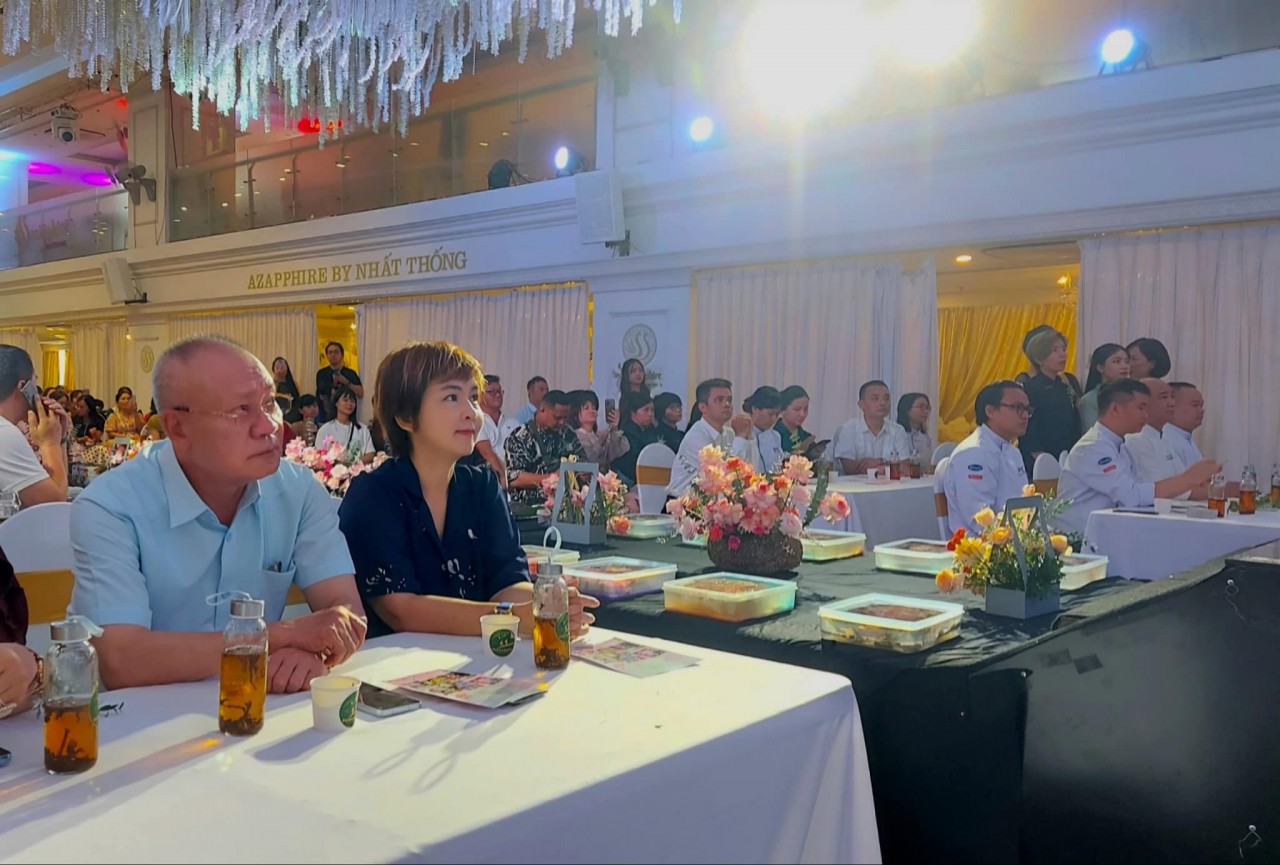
550,569
74,629
247,608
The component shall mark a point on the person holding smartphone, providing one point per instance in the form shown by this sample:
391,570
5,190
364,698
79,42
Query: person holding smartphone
35,481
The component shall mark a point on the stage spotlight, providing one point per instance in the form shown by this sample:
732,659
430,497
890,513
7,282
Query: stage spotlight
701,129
927,34
569,161
1124,52
501,174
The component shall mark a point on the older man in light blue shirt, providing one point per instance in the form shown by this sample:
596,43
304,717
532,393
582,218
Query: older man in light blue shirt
212,510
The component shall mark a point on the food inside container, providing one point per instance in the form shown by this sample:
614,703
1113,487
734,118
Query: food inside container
913,556
893,622
616,577
650,526
825,545
1079,570
729,597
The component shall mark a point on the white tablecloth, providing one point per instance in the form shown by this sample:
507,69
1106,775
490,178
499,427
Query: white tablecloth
886,512
734,760
1153,547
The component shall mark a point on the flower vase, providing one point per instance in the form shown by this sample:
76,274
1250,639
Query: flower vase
761,555
578,528
1017,604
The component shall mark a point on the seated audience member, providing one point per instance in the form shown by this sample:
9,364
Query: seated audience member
766,453
20,667
867,442
534,451
1055,425
632,377
790,426
36,477
126,420
1153,455
1188,415
434,543
344,429
1108,362
716,425
913,416
60,396
213,509
497,426
153,429
601,445
1148,358
334,376
668,411
308,409
86,422
1100,473
986,469
638,432
536,389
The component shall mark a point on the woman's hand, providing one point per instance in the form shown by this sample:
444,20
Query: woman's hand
612,419
17,672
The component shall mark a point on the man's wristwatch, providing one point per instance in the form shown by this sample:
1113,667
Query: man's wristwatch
503,608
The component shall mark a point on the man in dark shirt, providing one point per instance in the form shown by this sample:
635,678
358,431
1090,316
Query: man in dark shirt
333,377
535,450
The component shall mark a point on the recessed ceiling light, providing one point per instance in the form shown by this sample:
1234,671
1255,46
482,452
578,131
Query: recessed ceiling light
1063,280
283,178
483,143
964,259
238,194
184,208
288,171
506,134
413,144
224,204
340,164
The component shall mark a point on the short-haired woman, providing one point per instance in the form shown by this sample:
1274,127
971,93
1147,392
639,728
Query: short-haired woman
601,444
638,432
913,416
434,544
1055,425
1148,358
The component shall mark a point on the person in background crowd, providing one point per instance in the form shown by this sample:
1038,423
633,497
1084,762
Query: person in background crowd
1148,358
1153,456
126,420
1055,425
34,480
534,451
344,429
1188,415
790,426
434,543
377,437
59,395
1100,473
305,427
632,376
212,509
637,432
716,425
285,387
668,411
986,470
868,441
496,425
1109,362
766,453
536,389
85,419
601,445
153,429
334,376
913,416
20,667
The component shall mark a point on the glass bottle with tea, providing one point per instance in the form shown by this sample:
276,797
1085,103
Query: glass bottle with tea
71,697
1275,484
550,618
1218,494
895,465
1249,491
242,689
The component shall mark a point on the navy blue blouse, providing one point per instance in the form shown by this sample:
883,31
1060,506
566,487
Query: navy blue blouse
395,547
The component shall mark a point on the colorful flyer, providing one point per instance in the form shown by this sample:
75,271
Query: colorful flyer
632,658
484,691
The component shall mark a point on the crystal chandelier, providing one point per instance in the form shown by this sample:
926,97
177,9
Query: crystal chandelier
368,61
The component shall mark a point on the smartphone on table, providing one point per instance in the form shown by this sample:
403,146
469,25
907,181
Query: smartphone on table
382,703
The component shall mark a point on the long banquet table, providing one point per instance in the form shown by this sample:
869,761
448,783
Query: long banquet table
733,760
886,511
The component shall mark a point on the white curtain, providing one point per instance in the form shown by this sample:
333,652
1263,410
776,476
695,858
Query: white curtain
828,327
514,334
270,333
26,339
99,355
1213,298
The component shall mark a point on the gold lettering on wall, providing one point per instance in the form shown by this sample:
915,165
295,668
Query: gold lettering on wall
437,261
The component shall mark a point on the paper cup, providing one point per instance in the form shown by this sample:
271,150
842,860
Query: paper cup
498,631
333,703
872,473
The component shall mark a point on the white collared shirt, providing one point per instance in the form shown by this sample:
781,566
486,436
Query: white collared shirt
496,432
1182,445
984,471
856,441
526,414
1099,473
701,434
765,452
1153,455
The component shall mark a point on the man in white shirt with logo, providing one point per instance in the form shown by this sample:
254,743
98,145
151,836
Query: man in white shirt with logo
986,469
495,427
718,426
1188,414
867,442
1100,472
21,473
1152,453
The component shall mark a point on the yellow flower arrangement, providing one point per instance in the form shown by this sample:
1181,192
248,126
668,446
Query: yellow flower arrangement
990,558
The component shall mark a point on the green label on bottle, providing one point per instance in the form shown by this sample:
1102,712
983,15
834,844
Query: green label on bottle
347,713
562,627
93,706
502,642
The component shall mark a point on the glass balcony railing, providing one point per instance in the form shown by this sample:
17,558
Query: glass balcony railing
71,226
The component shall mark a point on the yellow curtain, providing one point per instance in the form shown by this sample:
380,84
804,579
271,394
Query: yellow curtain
49,376
982,344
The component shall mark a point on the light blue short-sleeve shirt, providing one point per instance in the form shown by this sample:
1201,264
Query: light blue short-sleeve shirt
148,550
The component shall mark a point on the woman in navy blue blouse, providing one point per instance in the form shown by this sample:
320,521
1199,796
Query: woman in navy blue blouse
434,544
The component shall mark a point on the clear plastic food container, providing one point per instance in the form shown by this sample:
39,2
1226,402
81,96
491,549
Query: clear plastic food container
891,622
1079,570
913,556
616,577
645,526
729,597
563,557
825,545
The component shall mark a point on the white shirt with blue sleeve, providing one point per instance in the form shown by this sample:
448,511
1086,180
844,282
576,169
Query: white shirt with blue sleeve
1099,473
984,471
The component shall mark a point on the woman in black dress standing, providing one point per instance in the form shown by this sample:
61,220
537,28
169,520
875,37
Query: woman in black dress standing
1054,425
